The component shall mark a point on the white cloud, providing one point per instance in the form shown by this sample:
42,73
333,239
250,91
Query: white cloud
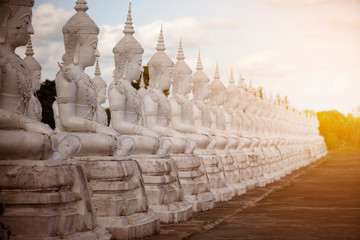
221,22
343,22
295,2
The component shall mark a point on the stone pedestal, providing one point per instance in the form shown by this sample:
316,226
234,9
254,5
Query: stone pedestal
48,200
163,188
230,169
119,195
216,178
194,182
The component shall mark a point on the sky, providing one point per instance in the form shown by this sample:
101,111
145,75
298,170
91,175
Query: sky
307,50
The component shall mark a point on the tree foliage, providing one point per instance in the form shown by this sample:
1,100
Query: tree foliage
46,96
338,130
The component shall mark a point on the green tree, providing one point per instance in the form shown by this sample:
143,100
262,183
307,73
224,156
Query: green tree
46,96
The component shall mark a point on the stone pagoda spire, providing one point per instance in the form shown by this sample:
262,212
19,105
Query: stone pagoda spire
180,56
129,29
231,80
160,44
29,49
217,74
97,68
142,90
199,64
81,6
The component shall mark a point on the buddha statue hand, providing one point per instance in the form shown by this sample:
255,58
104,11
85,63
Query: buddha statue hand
150,133
102,129
37,127
165,145
191,145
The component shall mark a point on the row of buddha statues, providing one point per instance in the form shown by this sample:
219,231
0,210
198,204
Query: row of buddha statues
160,158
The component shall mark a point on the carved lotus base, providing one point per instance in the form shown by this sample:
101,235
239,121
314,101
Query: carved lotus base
163,188
48,200
119,195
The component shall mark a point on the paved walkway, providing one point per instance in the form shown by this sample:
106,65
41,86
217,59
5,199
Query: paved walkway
320,201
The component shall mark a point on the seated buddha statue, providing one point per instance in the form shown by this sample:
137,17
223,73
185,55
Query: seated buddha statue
203,121
227,155
77,97
23,136
45,190
157,107
193,180
126,105
101,87
151,149
34,108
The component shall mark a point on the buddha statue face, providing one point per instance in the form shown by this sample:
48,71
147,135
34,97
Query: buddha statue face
165,78
36,77
134,67
218,97
202,90
101,95
86,53
16,25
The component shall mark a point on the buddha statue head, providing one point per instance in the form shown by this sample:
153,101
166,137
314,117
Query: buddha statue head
15,19
80,38
128,53
217,95
232,93
34,66
160,67
200,82
100,84
182,74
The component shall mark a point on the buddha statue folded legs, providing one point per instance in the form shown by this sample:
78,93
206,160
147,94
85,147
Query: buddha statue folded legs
45,190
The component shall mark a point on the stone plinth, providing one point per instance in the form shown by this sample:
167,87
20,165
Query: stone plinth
119,195
163,188
48,200
194,182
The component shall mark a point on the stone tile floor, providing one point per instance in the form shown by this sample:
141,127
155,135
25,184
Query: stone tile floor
319,201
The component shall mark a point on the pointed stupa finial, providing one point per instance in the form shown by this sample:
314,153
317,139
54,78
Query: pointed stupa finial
97,68
129,29
81,6
232,80
250,84
29,48
199,64
217,74
142,81
161,45
180,56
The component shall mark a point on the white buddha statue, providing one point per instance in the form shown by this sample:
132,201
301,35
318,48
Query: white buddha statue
77,98
227,155
193,180
101,87
233,123
150,150
48,198
34,108
203,121
158,117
